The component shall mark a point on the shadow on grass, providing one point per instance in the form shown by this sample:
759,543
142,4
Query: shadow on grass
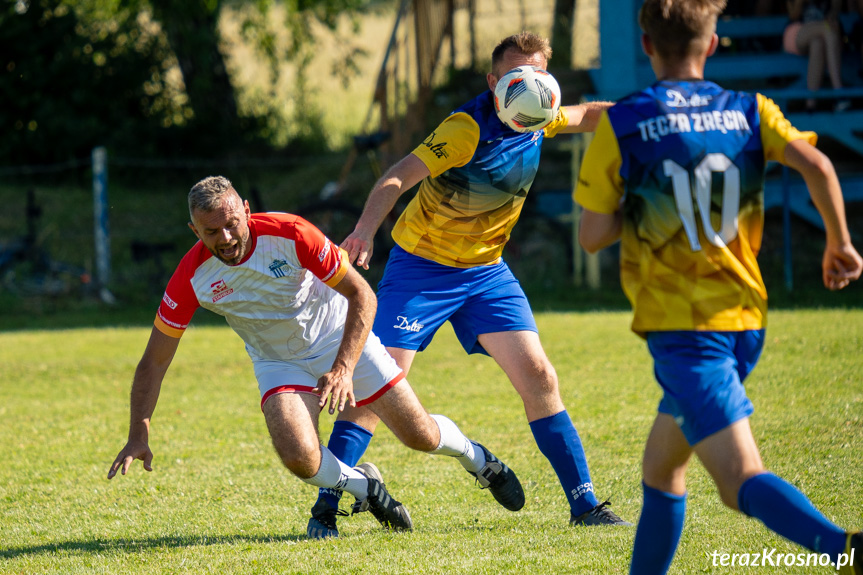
123,544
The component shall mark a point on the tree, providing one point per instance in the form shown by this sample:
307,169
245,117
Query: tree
561,34
68,85
192,33
79,73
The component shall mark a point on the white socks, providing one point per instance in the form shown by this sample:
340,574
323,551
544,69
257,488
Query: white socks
336,475
454,444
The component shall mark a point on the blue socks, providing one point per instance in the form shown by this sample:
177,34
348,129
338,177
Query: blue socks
779,505
658,531
558,440
786,511
348,442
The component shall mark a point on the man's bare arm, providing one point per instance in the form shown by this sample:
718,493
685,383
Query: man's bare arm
145,393
362,305
596,231
841,263
584,117
407,173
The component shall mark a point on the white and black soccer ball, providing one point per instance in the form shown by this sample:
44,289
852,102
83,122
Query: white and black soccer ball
527,98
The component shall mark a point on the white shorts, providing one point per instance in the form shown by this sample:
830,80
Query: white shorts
374,374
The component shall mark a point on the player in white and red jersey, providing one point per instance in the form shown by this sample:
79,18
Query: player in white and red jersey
305,315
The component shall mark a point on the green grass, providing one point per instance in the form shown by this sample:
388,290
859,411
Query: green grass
218,501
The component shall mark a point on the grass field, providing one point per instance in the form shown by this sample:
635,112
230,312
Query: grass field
218,501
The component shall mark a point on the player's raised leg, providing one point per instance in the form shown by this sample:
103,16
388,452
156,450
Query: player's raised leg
292,419
352,432
732,459
402,412
521,356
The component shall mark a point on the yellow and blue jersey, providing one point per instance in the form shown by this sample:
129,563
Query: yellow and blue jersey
685,161
481,171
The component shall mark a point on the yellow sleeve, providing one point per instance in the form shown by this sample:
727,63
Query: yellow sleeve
777,131
600,186
451,145
556,125
166,329
341,271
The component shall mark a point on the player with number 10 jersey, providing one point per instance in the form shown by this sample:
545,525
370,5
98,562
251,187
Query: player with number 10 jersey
689,244
676,172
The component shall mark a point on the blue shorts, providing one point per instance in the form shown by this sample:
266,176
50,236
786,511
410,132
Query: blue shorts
701,374
416,296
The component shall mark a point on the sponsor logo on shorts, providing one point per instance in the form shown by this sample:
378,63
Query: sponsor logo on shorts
277,267
403,323
169,302
220,290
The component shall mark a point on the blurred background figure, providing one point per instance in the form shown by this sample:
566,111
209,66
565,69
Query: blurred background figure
855,35
814,31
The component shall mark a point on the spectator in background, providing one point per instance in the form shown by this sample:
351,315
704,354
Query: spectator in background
814,31
855,36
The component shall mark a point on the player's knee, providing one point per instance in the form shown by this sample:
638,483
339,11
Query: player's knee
659,481
729,486
661,477
304,468
542,381
548,376
729,497
425,437
302,461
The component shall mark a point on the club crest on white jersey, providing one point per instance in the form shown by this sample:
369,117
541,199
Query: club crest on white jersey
277,267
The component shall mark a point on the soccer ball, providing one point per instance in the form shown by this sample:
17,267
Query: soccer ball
527,98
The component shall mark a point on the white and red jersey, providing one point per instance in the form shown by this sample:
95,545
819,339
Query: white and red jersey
277,299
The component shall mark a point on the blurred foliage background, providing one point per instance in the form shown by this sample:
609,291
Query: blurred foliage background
150,77
268,93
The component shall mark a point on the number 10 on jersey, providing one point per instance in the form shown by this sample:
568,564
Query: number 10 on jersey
683,197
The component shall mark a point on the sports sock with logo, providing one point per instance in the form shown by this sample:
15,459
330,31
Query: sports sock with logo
786,511
348,441
454,443
333,473
658,531
559,442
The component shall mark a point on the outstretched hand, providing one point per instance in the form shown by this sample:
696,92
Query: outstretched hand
359,248
840,266
133,450
338,385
